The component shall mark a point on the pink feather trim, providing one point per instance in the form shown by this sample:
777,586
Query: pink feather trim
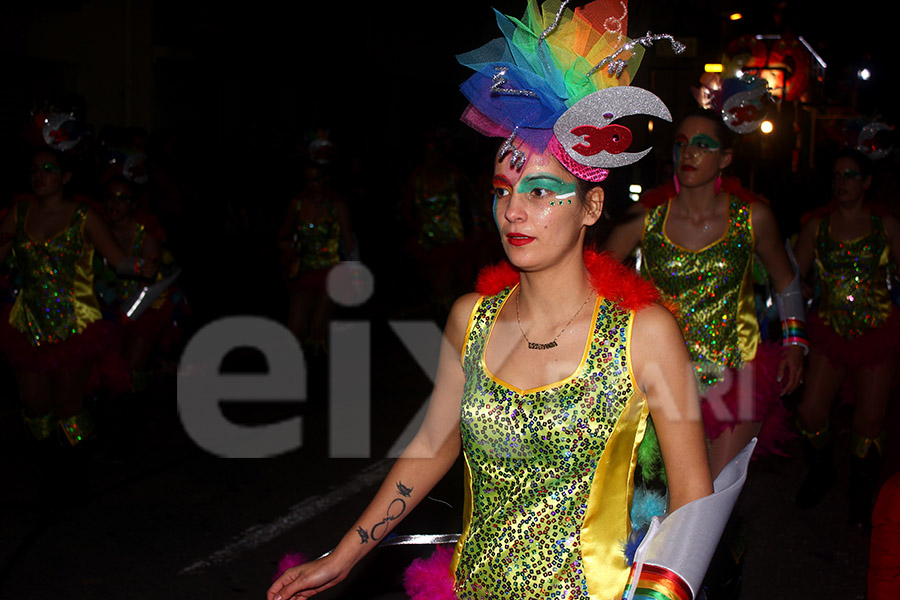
430,578
870,349
289,561
765,405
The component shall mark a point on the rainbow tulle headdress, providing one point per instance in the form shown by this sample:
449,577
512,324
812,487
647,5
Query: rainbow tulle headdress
558,79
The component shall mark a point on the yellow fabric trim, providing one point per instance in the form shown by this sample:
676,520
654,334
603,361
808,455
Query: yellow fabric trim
884,303
465,344
748,336
718,240
584,355
605,527
87,309
467,517
747,326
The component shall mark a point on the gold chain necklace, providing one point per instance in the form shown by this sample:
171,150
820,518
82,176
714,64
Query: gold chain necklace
552,344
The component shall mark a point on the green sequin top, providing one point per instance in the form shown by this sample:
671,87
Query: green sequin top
550,471
109,287
318,244
712,289
853,274
56,299
440,214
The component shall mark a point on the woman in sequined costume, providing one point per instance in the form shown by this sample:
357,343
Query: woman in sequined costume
697,243
855,329
141,236
315,233
54,332
550,437
558,374
433,200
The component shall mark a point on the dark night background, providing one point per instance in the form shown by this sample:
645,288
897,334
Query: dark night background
230,96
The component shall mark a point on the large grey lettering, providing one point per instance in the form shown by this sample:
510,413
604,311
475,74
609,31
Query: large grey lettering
201,387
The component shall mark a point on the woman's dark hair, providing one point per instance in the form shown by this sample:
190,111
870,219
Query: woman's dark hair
62,159
862,161
597,233
121,179
726,136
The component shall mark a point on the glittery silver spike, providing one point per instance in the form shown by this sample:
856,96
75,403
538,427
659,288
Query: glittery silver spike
499,80
617,65
517,157
555,23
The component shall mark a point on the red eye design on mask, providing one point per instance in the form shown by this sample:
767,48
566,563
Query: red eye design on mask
612,138
744,114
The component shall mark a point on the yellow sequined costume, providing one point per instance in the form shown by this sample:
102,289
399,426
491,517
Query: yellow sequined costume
549,471
57,298
55,319
712,289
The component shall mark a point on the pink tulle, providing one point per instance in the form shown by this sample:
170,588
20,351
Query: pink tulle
586,172
475,119
430,578
764,405
289,561
868,350
97,338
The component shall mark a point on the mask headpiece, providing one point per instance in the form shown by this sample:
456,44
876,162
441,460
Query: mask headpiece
559,79
742,101
873,137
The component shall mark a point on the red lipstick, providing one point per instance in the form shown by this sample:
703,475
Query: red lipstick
518,239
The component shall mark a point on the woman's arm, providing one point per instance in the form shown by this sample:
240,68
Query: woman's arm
152,249
627,233
7,233
99,234
771,250
663,370
343,218
892,228
425,461
804,247
288,225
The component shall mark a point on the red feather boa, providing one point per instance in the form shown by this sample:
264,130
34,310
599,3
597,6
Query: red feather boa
876,208
731,185
610,278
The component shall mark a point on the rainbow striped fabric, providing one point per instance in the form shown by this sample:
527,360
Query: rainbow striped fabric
658,583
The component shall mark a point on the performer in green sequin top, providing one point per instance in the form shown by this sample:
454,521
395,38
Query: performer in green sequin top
315,231
54,333
697,243
548,376
854,331
549,435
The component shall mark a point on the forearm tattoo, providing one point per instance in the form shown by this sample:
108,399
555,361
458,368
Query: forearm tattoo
395,510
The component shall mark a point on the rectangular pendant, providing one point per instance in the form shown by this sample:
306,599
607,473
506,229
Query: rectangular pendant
536,346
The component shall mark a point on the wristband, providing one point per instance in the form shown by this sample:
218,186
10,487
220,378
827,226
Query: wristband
792,311
130,266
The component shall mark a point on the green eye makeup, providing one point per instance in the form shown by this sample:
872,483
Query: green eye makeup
702,142
49,167
563,191
848,174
